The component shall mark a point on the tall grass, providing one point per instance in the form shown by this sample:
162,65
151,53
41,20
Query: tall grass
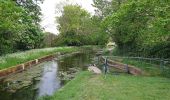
150,68
21,57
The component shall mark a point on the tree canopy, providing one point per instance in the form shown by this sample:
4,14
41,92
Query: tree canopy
138,27
19,25
78,27
141,26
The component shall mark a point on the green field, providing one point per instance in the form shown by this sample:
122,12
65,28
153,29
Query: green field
87,86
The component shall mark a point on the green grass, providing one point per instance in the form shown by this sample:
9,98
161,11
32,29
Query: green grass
149,68
21,57
87,86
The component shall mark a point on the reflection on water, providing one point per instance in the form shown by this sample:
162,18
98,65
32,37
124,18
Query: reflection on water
49,80
79,60
49,83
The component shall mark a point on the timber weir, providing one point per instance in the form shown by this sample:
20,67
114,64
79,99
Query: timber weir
124,67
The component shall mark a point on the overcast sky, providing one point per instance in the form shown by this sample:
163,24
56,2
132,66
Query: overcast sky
49,11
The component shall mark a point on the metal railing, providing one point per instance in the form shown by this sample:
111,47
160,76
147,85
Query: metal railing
163,65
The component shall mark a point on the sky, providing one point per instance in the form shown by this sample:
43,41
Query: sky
50,9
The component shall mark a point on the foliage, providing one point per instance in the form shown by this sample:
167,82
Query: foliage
9,24
71,24
19,28
142,27
106,7
32,36
77,28
49,39
13,59
73,19
31,39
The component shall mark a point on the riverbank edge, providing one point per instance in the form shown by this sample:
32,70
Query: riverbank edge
124,67
89,86
80,76
28,64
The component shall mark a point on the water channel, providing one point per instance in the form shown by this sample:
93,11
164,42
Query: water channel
46,78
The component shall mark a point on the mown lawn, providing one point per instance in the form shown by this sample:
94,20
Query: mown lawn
87,86
21,57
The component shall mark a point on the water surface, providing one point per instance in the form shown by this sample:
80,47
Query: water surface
49,77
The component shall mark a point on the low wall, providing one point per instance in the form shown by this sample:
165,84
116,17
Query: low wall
26,65
127,68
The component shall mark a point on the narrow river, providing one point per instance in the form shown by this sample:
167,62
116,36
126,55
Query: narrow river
44,79
49,82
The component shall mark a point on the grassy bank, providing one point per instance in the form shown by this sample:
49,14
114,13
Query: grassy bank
150,69
149,66
87,86
21,57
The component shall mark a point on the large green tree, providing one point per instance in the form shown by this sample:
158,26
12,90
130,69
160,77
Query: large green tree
32,35
73,24
141,26
19,25
10,25
78,27
106,7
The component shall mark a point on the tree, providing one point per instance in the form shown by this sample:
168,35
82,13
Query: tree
141,26
106,7
49,39
32,35
10,25
73,24
77,27
32,9
19,25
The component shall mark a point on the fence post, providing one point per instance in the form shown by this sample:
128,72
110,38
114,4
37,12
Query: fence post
140,59
161,64
98,60
150,60
127,68
105,66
